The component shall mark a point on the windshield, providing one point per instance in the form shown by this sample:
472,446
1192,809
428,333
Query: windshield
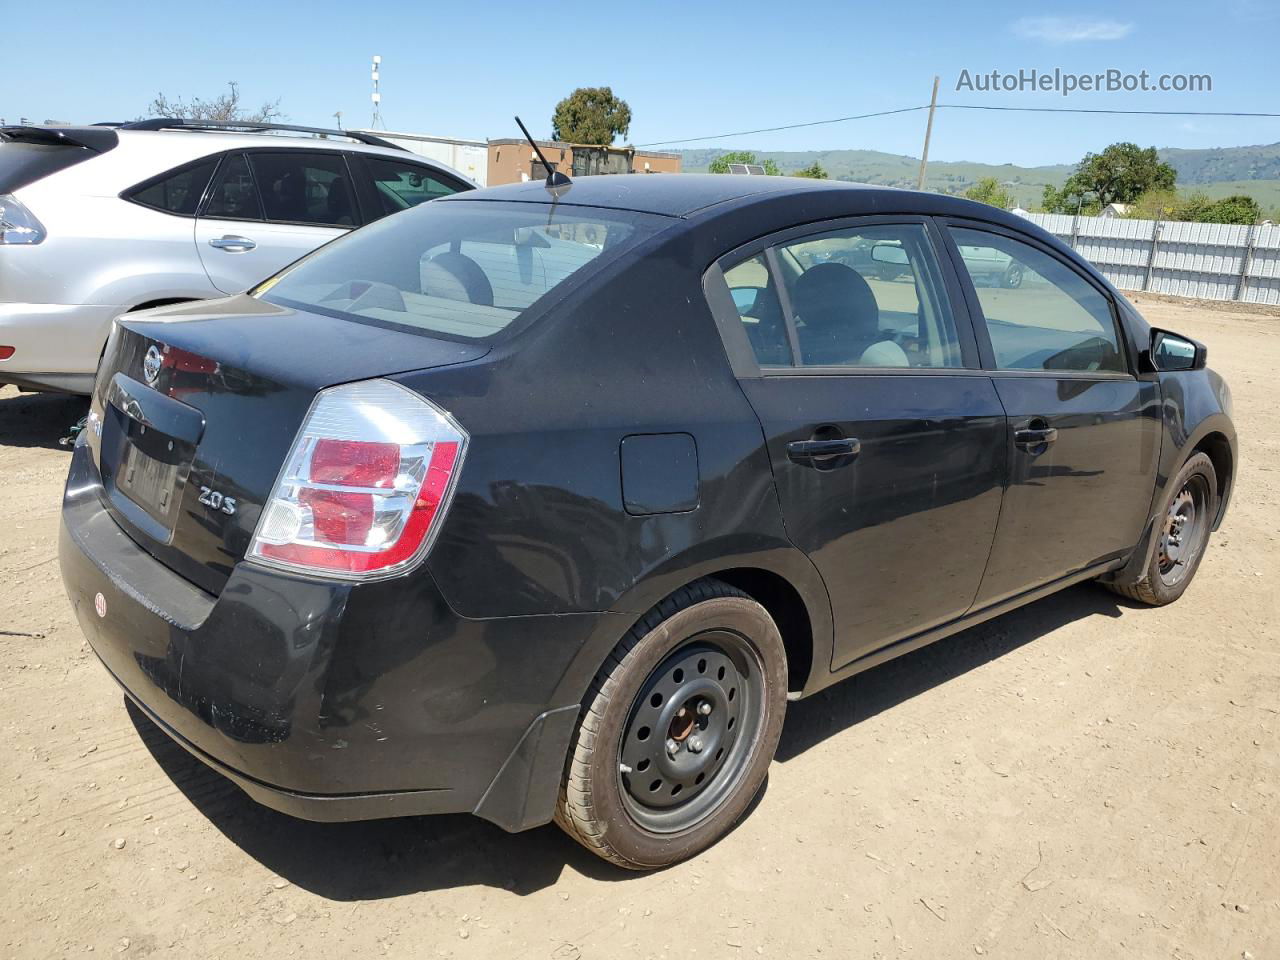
457,269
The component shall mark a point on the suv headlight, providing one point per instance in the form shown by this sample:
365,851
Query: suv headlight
17,223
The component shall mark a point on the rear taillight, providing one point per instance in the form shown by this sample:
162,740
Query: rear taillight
366,486
17,223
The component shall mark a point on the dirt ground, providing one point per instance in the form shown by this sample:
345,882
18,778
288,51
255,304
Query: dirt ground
1081,778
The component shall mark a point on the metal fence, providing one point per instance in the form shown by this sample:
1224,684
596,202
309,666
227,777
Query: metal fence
1213,261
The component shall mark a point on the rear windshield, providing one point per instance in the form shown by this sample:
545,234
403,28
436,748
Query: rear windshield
22,164
457,269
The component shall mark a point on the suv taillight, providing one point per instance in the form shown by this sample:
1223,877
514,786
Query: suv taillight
366,485
17,223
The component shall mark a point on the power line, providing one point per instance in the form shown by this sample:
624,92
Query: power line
788,126
962,106
1156,113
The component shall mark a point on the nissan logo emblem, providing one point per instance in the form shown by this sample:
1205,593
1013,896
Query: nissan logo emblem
152,363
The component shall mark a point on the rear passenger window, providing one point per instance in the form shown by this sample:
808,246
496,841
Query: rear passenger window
400,186
1040,313
233,195
178,192
861,297
305,187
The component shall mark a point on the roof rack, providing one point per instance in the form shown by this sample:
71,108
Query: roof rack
177,123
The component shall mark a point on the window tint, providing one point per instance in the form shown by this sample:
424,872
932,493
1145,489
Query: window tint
756,299
860,297
458,269
1040,313
403,185
233,195
178,192
304,187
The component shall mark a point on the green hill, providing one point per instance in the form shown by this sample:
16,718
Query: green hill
1252,170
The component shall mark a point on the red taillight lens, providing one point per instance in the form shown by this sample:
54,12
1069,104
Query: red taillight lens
360,507
355,464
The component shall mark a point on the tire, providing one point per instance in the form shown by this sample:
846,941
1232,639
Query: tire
1178,550
708,643
1013,277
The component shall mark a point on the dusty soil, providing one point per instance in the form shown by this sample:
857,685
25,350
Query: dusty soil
1081,778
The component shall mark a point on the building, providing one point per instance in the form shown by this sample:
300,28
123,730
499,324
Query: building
468,157
513,160
1113,211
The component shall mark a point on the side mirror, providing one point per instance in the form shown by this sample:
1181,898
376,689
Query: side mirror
889,253
1171,353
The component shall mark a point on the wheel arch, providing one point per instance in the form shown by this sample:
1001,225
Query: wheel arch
1220,451
781,579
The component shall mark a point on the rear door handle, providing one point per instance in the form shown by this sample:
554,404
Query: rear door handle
817,453
1035,436
232,243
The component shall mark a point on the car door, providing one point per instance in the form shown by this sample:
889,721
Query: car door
266,208
1083,430
886,440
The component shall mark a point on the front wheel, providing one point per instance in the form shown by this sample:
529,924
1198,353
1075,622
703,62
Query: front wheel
678,729
1183,534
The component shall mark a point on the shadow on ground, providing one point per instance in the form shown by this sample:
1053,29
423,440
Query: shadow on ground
387,858
39,419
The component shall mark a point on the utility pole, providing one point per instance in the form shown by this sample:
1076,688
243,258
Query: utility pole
377,94
928,132
338,115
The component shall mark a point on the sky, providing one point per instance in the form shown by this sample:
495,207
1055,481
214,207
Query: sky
687,70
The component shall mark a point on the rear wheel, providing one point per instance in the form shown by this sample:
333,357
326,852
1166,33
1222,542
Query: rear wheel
678,729
1182,536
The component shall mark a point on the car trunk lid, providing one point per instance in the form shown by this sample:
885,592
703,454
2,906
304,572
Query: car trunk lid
197,407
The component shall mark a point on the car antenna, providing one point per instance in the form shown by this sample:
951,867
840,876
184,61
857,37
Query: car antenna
557,182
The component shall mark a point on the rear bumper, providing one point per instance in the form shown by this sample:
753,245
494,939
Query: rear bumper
329,701
56,346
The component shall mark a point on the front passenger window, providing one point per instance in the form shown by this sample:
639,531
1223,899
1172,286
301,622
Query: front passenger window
1040,313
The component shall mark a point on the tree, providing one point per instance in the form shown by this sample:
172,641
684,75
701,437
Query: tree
226,108
1119,174
989,190
721,163
813,172
1195,207
591,115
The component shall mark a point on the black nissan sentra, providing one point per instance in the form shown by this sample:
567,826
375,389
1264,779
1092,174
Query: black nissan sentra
539,504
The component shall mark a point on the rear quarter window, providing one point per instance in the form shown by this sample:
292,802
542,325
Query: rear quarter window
176,191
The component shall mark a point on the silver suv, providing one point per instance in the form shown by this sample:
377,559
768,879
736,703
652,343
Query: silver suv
104,220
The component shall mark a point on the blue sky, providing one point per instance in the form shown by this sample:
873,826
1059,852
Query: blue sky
457,69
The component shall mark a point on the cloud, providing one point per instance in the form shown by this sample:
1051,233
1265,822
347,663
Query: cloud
1070,29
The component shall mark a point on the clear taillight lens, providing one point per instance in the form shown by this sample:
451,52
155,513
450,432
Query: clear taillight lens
366,486
17,224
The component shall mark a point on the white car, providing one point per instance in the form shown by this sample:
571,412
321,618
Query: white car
104,220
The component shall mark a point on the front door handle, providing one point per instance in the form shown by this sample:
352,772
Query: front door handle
820,453
232,243
1036,434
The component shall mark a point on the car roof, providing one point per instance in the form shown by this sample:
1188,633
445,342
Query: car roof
672,195
685,195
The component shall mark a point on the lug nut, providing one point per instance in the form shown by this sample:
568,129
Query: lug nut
704,707
672,747
695,744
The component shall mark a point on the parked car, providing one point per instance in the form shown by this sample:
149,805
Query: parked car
447,517
100,221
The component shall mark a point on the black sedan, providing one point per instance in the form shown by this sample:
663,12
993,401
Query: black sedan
542,504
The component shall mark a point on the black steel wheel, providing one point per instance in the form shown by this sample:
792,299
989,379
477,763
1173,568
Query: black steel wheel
678,731
1181,535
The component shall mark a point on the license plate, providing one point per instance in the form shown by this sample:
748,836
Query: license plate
150,483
